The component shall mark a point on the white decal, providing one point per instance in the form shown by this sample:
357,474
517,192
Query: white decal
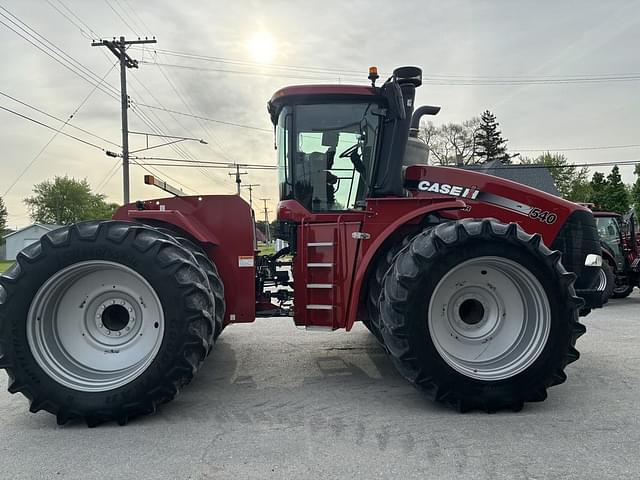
446,189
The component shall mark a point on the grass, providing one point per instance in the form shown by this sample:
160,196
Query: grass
4,265
266,249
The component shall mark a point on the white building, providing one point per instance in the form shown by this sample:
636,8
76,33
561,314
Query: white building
16,241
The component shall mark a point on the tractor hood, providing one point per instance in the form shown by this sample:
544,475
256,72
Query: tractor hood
478,188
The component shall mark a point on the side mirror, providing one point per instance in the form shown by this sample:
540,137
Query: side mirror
393,94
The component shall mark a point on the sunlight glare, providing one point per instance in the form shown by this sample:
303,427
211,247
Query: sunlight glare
262,47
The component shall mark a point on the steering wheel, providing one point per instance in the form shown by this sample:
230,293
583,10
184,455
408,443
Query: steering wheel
347,153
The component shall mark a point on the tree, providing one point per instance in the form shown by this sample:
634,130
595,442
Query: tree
635,191
3,220
452,143
66,200
617,195
598,186
571,181
489,144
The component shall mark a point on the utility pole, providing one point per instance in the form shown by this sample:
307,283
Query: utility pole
237,175
119,49
250,187
266,219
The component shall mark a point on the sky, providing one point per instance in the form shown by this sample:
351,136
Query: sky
518,59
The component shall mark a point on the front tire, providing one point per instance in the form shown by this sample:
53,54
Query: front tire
621,291
103,321
480,315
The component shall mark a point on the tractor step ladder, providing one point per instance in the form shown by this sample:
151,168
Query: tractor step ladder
320,280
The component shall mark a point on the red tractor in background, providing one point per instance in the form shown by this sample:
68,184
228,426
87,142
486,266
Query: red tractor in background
459,275
620,251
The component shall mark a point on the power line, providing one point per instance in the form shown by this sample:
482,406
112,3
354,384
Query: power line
84,33
147,121
52,128
208,162
105,180
93,32
130,12
428,76
241,72
208,119
56,53
205,165
66,122
121,18
135,14
440,80
571,149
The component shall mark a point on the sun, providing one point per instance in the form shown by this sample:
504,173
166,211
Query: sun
262,47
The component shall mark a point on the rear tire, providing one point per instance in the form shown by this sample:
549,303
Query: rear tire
68,357
215,282
480,315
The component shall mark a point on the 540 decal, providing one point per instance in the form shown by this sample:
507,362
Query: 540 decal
543,216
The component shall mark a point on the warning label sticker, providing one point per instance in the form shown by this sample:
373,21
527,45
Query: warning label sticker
245,261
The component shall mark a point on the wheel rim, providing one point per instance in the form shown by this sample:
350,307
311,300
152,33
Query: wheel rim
489,318
95,326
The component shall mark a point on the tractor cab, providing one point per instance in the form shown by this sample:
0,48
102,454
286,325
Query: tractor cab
339,144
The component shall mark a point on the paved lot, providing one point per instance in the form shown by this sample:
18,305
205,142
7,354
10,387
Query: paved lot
277,402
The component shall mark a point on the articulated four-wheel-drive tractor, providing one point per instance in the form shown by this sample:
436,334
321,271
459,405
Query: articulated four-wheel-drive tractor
458,274
620,251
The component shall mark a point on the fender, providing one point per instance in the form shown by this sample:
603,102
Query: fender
364,263
174,217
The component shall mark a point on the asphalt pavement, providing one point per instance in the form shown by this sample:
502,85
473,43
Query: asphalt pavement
274,401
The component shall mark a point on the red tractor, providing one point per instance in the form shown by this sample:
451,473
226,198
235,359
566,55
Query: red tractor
460,275
620,252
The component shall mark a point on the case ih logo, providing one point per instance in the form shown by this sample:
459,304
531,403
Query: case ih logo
446,189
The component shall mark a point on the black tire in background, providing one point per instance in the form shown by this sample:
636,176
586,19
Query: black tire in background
410,283
173,276
609,279
621,291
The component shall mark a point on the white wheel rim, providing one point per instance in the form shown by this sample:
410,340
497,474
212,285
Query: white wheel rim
95,326
489,318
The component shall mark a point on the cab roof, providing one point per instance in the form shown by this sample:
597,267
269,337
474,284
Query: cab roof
302,93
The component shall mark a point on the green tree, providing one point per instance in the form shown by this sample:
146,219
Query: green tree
571,181
3,220
635,191
617,195
489,144
66,200
598,186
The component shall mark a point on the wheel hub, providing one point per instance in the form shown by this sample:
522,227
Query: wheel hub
471,311
95,325
489,318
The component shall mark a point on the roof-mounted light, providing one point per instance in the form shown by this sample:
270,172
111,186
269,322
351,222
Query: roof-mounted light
373,75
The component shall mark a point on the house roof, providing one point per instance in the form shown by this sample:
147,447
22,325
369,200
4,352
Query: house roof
538,177
46,226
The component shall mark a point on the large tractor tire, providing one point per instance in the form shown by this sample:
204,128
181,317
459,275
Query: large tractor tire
608,278
372,320
213,277
480,315
103,321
